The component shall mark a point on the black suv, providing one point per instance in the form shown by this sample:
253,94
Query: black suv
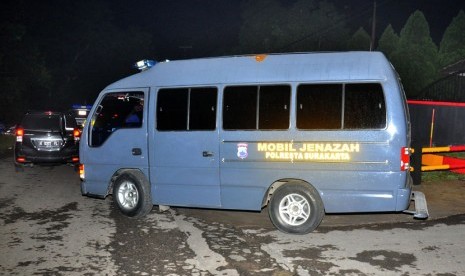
46,137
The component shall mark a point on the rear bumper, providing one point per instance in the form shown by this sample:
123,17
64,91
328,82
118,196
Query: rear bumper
404,195
419,199
50,159
421,208
25,155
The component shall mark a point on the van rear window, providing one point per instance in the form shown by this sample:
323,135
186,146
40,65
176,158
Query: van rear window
364,106
340,106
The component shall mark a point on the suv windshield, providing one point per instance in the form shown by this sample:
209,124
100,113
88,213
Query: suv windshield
42,122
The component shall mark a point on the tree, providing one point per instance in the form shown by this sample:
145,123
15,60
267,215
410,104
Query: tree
452,46
388,42
359,41
303,25
416,58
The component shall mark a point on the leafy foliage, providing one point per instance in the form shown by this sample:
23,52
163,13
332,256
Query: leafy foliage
416,57
359,41
452,47
388,42
271,26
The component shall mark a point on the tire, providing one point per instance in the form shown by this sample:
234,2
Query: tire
131,194
296,208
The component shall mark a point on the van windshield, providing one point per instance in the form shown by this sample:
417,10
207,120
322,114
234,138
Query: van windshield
116,111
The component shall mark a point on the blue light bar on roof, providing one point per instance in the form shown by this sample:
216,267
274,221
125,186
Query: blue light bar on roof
78,106
145,64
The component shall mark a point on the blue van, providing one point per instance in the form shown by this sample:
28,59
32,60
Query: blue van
304,134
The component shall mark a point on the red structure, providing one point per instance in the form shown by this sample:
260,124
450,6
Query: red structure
432,162
438,128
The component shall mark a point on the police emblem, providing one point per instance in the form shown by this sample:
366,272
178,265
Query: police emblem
242,150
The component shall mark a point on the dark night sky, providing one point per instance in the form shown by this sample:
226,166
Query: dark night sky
217,22
176,24
181,29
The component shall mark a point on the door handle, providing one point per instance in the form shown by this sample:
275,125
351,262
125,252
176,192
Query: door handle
207,154
136,151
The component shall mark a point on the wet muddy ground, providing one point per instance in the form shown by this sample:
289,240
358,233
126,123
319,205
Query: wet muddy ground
48,228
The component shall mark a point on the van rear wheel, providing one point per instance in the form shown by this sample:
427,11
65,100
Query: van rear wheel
296,208
131,194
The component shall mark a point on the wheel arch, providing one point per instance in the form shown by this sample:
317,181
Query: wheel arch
120,172
280,182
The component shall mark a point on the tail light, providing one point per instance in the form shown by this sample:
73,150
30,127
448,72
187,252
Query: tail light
77,134
20,159
405,159
19,134
82,173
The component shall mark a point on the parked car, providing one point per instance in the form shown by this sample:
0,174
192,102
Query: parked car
79,114
10,130
46,137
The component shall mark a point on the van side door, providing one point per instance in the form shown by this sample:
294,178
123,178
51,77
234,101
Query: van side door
184,160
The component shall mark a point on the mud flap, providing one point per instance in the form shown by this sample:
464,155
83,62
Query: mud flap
421,208
163,208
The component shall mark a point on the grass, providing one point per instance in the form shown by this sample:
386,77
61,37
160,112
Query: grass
435,176
6,144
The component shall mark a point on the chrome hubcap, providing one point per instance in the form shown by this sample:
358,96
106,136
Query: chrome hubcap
294,209
128,195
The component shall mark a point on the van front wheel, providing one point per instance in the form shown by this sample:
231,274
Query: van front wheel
131,194
296,208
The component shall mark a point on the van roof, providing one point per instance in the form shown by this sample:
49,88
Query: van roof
272,68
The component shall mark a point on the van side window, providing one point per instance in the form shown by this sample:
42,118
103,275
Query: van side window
256,107
186,109
338,106
202,109
116,111
364,106
172,109
319,106
273,109
240,107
